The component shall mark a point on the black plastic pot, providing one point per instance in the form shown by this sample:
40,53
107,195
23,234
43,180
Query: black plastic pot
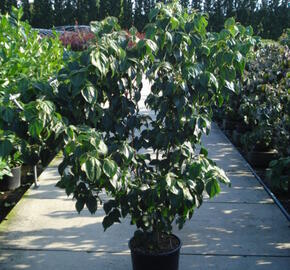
25,169
229,125
161,261
242,127
261,159
237,138
11,182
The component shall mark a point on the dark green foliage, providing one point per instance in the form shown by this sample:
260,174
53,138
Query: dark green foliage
98,93
278,175
268,18
26,10
42,14
262,106
91,109
126,16
59,6
25,63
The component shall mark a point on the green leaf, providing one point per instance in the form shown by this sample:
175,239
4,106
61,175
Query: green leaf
98,60
174,23
35,128
169,178
5,148
47,106
204,79
214,81
150,31
102,148
203,151
92,204
212,187
240,63
228,58
90,94
249,30
110,219
92,169
151,45
109,205
194,170
205,50
228,73
127,151
109,168
229,23
230,86
8,114
153,13
77,79
80,205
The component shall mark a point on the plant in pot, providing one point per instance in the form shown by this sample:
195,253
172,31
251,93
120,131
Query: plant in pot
27,59
259,145
278,175
10,160
265,116
189,70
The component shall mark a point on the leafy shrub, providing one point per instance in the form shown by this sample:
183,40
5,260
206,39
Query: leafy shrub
98,94
26,61
10,152
265,97
284,39
262,104
92,107
278,174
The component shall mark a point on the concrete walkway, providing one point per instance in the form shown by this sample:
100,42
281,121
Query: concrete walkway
242,228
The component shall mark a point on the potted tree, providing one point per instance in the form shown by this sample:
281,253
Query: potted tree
278,175
189,70
260,146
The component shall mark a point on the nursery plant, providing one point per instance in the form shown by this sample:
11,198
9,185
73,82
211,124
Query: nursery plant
98,94
26,62
278,175
10,161
264,103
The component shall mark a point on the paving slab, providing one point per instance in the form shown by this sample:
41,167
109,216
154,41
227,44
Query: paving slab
244,188
62,260
237,229
51,222
222,151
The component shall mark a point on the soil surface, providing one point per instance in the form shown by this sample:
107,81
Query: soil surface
166,243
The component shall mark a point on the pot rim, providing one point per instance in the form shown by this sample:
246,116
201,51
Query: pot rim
269,151
15,168
165,253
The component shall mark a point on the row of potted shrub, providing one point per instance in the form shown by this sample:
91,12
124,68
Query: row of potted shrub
258,117
26,133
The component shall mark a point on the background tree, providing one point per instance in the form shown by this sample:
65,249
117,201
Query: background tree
139,20
26,10
42,14
126,18
3,6
268,17
93,9
185,3
68,12
59,6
